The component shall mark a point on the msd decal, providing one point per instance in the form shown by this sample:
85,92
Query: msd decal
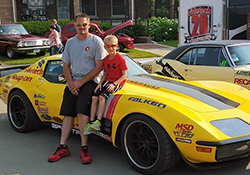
183,130
200,24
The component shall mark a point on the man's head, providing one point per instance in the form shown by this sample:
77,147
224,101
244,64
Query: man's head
82,26
54,21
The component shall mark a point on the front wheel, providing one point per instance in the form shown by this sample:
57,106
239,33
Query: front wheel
21,114
10,53
147,146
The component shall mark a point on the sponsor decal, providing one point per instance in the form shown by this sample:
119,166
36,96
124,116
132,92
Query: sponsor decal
38,95
43,110
1,81
183,130
21,78
144,84
7,86
7,79
57,119
38,71
46,117
241,81
169,71
245,73
148,102
200,24
183,140
40,103
147,67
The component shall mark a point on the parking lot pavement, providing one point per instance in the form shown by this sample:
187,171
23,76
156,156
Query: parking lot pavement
3,107
154,48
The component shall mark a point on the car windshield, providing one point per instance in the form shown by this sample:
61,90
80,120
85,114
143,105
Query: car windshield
240,54
133,67
12,29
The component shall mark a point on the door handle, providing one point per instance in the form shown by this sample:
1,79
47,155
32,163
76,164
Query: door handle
188,70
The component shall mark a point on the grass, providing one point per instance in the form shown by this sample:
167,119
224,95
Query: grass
173,43
32,57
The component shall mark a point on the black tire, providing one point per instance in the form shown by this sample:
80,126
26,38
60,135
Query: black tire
21,114
120,47
42,53
10,53
147,146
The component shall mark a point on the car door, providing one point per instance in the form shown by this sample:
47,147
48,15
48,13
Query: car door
207,63
48,92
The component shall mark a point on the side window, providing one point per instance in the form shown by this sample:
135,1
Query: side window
54,72
211,56
186,57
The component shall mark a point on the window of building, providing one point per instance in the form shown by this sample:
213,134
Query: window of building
63,9
118,8
89,7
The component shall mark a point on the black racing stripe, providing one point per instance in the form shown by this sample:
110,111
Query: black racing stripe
206,96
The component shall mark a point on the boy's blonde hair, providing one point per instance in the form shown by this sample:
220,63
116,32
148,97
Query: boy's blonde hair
110,38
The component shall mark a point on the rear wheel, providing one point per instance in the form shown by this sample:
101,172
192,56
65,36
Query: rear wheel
21,114
10,53
147,146
121,47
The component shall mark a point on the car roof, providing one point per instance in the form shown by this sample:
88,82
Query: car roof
174,53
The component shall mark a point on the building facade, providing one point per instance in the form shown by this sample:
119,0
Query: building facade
103,10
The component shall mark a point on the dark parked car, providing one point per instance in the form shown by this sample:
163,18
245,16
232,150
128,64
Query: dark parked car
14,40
124,41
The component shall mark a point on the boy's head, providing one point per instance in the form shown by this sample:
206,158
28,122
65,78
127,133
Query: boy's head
110,43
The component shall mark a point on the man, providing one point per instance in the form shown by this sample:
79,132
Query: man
58,28
82,62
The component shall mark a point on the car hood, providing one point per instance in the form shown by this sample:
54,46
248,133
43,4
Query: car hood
25,37
119,27
192,95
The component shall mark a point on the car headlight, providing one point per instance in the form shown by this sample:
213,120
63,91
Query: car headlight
232,127
46,42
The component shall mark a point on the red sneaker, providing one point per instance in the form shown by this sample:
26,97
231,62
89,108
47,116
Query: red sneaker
60,153
85,157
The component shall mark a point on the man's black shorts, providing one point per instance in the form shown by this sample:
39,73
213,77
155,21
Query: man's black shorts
72,104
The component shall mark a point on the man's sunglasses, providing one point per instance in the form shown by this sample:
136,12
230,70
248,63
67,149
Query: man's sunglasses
109,46
81,24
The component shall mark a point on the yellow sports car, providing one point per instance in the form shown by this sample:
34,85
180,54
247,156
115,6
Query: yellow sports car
154,119
227,60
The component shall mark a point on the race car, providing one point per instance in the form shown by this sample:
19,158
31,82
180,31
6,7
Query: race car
226,60
156,120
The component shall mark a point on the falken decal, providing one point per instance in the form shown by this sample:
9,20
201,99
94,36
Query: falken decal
183,140
148,102
169,71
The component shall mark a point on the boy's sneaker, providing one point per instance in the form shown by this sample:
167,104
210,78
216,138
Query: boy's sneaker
85,157
96,125
60,153
87,129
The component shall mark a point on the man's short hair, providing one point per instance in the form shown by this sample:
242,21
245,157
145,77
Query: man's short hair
54,20
82,15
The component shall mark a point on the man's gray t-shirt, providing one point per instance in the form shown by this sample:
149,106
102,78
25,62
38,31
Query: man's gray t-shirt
82,54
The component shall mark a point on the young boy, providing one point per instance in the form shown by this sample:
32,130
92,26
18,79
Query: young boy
115,72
